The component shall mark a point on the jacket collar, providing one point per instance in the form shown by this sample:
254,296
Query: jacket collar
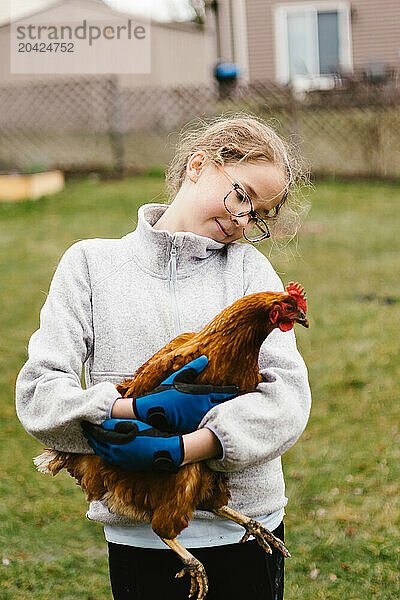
152,247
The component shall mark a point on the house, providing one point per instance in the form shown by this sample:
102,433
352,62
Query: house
178,53
305,42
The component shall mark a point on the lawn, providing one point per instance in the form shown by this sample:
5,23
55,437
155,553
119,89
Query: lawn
342,476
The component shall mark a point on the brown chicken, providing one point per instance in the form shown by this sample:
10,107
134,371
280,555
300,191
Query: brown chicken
167,500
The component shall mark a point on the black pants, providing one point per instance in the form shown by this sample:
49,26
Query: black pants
235,572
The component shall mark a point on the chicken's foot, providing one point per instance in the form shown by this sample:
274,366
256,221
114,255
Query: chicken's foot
198,577
261,534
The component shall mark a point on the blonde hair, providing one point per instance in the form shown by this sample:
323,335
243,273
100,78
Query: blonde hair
239,138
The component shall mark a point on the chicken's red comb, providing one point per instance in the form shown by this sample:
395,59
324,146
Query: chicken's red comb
295,290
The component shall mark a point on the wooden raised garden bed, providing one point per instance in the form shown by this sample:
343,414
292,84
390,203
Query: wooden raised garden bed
16,187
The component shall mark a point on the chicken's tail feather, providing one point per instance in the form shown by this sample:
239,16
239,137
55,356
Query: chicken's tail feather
87,469
50,461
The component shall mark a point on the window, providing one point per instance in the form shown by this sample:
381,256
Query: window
312,40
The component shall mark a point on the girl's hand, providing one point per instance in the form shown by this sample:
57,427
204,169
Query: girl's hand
134,445
178,404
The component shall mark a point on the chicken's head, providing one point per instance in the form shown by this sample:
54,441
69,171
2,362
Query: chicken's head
291,308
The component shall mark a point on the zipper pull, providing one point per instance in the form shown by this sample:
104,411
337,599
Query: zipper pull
172,263
172,288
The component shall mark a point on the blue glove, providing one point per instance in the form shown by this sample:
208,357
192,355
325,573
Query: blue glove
135,445
178,404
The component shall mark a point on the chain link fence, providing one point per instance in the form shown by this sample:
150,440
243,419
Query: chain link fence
92,123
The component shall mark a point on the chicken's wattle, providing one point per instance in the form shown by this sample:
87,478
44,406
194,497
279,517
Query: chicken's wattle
286,326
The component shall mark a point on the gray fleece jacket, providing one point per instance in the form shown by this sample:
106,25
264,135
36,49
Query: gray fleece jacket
113,303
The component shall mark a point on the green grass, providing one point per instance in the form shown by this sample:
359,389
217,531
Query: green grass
342,476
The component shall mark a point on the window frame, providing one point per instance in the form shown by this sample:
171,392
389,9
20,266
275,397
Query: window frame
281,12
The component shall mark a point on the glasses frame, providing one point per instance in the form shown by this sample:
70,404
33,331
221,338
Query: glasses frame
265,233
236,186
253,214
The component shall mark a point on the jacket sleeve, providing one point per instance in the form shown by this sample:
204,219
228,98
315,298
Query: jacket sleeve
260,426
50,400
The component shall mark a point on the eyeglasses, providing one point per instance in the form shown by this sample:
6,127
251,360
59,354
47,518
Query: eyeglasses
238,203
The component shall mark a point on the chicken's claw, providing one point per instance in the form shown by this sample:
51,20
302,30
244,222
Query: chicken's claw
198,579
263,536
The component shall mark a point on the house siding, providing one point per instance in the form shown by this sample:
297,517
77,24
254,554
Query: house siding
180,53
375,31
260,34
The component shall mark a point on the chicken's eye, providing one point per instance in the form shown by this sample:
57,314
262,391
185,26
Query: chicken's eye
286,306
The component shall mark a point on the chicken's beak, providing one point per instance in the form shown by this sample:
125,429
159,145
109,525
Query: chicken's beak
302,319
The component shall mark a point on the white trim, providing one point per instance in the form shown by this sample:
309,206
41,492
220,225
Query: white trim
315,58
281,46
241,48
225,30
281,12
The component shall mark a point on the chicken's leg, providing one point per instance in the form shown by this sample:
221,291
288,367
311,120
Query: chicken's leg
198,577
261,534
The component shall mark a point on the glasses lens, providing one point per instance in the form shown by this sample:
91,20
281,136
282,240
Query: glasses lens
256,230
237,203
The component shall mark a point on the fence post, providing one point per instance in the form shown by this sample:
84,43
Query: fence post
116,128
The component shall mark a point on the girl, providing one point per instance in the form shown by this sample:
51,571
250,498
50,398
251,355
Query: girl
113,303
